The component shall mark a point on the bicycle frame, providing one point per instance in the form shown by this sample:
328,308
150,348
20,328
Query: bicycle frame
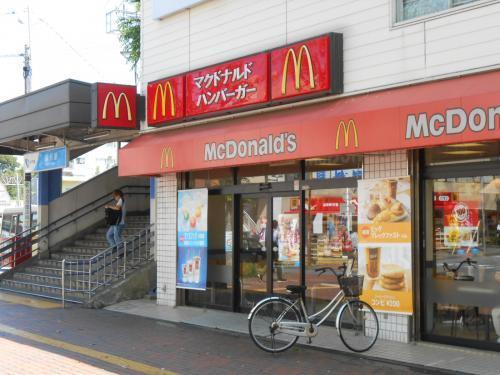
303,329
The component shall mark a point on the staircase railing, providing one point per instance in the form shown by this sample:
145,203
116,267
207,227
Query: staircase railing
87,275
20,249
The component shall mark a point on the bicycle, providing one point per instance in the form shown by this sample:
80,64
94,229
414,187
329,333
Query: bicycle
276,323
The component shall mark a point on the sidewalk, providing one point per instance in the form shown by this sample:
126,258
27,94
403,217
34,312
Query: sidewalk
421,354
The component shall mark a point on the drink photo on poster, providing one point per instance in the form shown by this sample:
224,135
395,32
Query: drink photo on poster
192,240
388,278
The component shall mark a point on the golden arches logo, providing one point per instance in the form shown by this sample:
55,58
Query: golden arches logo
297,65
163,89
346,131
167,158
116,102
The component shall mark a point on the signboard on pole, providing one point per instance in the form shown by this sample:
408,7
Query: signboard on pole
384,235
192,239
46,160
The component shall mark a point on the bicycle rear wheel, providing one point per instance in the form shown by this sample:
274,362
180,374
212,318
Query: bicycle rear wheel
263,325
358,326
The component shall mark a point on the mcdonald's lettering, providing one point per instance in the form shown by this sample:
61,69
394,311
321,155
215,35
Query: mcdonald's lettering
167,158
162,89
116,103
345,130
297,66
307,67
165,100
115,106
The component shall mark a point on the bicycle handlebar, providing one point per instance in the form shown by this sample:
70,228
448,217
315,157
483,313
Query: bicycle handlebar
455,270
322,270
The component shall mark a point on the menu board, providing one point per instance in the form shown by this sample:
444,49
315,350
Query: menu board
192,239
384,234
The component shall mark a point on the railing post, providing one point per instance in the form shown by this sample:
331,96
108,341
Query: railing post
124,259
62,281
90,277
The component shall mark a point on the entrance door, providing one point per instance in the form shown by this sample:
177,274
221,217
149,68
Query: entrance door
269,246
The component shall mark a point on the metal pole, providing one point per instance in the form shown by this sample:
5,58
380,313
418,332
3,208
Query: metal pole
62,281
124,259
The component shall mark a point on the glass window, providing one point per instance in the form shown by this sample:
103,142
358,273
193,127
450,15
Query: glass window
335,167
219,291
409,9
267,173
213,178
464,152
463,285
331,236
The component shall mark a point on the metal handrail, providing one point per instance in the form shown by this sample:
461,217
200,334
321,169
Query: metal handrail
34,237
20,234
87,275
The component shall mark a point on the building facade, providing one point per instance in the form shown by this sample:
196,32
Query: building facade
397,169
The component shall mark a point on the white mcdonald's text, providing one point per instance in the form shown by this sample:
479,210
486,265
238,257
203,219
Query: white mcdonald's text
453,121
282,143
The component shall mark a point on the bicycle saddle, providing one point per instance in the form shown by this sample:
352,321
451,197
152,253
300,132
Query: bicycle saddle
297,289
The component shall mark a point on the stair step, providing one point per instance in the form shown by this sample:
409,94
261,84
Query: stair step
51,296
71,281
82,251
40,288
101,243
127,231
49,271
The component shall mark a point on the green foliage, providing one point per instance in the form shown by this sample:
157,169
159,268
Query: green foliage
130,36
10,167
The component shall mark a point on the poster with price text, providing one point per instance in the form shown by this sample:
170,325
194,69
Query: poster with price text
192,239
384,233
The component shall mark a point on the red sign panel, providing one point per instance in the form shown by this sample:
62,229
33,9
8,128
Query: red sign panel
465,109
116,106
165,101
302,68
223,87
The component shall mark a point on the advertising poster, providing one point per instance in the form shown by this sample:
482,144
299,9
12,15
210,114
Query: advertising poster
192,239
384,233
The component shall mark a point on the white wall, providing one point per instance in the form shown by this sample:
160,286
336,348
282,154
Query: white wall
375,53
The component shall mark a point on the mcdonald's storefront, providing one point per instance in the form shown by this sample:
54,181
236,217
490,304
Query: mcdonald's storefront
405,181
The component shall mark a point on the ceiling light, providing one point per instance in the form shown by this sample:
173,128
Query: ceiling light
472,144
464,152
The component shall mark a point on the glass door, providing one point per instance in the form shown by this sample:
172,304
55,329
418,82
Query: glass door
253,249
269,246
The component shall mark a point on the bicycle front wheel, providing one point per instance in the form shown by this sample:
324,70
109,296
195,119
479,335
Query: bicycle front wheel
263,325
358,326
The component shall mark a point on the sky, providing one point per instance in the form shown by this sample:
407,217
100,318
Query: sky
68,40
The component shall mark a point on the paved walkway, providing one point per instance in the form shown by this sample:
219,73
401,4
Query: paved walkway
425,355
38,337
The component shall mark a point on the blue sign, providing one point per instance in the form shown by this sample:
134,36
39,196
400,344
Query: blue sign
55,158
192,239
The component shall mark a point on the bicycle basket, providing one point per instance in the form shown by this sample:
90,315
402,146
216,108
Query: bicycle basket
352,285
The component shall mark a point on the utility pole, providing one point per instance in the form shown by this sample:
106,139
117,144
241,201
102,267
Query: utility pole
27,69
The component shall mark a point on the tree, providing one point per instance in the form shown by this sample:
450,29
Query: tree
129,28
10,167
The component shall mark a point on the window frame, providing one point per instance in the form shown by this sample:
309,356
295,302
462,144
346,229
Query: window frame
395,24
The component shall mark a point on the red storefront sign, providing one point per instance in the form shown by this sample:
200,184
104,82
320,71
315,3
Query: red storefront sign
306,68
115,105
165,100
311,67
237,83
458,110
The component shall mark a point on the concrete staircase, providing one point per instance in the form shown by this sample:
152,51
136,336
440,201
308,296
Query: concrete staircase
42,277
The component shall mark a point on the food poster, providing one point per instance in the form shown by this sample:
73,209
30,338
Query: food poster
385,249
192,239
287,236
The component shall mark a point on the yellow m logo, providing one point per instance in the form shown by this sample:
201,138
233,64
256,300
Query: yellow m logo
167,158
346,132
297,65
116,103
163,94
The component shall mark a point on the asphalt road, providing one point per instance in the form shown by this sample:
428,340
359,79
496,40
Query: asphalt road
38,337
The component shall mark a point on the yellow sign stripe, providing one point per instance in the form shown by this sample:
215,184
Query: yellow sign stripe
104,357
27,301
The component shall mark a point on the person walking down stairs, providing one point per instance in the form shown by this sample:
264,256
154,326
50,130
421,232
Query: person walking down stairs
115,217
